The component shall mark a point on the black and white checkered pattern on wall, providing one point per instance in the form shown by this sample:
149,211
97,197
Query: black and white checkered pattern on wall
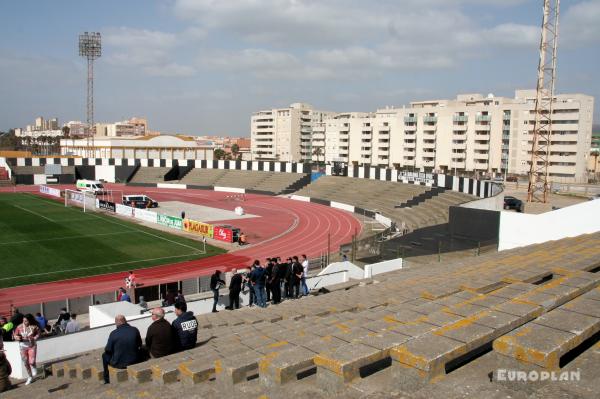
482,189
264,166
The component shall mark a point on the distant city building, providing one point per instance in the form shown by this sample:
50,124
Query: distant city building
473,134
285,134
41,127
76,128
148,147
131,127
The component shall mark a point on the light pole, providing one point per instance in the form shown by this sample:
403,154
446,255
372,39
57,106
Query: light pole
90,47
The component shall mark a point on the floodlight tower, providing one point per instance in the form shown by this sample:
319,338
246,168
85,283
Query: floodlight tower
90,47
539,183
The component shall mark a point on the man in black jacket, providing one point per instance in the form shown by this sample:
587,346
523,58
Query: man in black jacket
159,338
268,275
235,286
286,269
297,271
185,326
123,347
215,283
275,284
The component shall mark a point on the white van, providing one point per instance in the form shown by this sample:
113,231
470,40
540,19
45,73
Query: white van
90,186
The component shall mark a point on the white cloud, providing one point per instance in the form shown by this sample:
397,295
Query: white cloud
150,51
169,70
580,24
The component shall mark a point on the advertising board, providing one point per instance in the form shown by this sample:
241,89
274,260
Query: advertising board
124,210
170,221
107,205
50,191
145,215
203,229
222,234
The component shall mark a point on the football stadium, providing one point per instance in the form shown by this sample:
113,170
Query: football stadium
473,300
438,248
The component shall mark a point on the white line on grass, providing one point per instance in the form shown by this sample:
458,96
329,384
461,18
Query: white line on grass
106,219
32,212
63,238
99,266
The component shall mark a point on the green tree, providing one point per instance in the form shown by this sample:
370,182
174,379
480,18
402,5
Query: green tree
219,153
235,150
317,152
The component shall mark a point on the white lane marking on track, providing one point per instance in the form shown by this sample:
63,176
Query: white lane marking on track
97,267
33,213
63,238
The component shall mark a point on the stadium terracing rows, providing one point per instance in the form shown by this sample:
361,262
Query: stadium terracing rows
434,331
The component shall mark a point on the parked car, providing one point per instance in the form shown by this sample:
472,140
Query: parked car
513,203
139,201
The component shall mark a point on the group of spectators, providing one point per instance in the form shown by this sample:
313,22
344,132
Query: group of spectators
124,346
268,282
27,329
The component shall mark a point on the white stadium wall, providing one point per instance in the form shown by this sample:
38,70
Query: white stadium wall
519,229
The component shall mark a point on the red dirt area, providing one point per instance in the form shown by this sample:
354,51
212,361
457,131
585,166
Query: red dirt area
284,228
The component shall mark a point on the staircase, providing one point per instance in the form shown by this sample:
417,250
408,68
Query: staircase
417,199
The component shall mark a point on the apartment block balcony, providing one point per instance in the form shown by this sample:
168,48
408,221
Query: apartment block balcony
410,129
383,129
481,146
429,144
483,118
506,117
459,146
430,119
483,128
460,118
428,162
410,119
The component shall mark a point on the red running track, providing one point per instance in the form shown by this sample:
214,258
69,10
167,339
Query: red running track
285,228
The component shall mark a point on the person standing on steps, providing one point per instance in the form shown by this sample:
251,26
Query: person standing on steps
215,284
235,287
27,334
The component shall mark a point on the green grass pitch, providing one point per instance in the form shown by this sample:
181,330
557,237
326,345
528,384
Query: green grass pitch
42,240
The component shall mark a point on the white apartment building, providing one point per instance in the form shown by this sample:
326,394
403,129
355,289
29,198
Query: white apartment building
473,134
286,134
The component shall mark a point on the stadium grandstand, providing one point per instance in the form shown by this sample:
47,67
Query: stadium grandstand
384,310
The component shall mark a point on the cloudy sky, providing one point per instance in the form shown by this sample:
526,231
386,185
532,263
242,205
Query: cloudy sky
203,66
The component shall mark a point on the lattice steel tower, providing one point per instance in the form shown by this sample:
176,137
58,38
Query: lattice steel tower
90,47
539,183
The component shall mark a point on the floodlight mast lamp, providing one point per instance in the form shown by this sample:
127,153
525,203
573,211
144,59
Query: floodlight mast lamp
539,182
90,47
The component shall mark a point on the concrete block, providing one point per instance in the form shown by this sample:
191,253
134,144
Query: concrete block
442,318
117,375
342,365
502,323
70,369
413,329
428,353
324,344
584,306
467,331
166,372
282,367
234,370
518,308
58,369
140,373
582,326
482,286
465,309
536,344
196,371
385,341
